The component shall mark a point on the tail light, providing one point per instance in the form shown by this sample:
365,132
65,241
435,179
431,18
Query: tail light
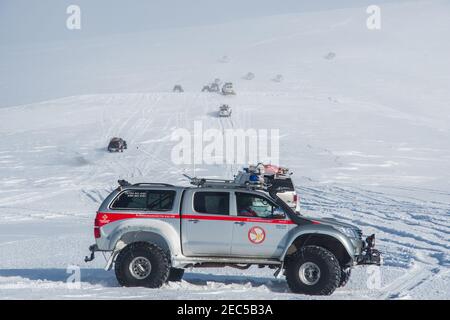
97,232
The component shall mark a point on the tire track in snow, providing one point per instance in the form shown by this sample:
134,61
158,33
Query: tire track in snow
400,236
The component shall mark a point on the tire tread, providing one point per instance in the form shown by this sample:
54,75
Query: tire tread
332,265
150,282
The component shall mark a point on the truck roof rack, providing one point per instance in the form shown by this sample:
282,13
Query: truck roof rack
223,183
124,183
152,184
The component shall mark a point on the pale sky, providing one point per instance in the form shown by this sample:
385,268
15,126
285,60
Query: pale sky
42,20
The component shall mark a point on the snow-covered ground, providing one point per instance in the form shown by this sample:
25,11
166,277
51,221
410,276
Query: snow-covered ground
367,134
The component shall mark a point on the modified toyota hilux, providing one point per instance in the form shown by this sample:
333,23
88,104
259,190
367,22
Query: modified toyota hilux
154,231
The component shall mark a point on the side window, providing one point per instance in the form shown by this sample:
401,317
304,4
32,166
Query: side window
160,200
131,199
153,200
250,205
212,202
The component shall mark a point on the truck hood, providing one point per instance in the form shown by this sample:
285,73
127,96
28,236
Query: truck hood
334,223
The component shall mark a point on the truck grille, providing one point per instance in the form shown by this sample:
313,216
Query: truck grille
359,233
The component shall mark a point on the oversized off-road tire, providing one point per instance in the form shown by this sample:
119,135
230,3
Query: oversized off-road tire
345,277
313,270
175,274
142,264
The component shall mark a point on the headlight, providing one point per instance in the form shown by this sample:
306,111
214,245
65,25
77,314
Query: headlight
349,232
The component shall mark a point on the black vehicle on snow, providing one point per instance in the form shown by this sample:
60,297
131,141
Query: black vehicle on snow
117,145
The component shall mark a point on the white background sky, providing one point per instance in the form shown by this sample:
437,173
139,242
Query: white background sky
25,21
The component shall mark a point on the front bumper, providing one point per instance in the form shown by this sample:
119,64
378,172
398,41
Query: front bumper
369,255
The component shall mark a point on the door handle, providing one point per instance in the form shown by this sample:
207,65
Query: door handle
239,223
193,220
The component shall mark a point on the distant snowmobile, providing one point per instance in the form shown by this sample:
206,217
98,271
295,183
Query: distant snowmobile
117,145
178,88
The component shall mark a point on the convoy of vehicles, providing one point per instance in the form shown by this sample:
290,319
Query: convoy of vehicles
227,88
154,231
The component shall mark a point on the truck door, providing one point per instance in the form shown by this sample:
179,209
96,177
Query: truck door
206,228
261,229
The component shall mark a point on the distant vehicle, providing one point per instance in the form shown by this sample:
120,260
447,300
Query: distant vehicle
330,55
278,78
213,87
249,76
227,89
224,59
178,88
224,111
117,145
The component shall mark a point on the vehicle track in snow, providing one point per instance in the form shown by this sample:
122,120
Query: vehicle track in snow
411,223
226,123
411,233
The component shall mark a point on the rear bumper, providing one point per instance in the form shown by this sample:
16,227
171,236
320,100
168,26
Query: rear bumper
369,255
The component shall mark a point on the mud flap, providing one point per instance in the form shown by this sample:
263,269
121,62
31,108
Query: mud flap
111,259
278,273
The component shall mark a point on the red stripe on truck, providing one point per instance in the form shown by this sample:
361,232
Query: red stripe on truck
234,218
104,218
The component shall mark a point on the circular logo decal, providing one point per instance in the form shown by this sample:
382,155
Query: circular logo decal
256,235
